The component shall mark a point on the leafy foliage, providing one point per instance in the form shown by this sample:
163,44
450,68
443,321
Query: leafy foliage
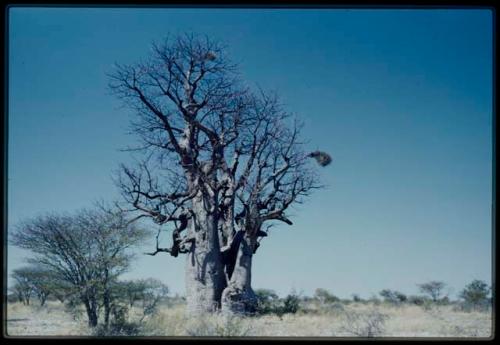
267,301
475,295
291,304
393,297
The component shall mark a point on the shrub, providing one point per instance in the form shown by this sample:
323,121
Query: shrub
291,304
267,301
417,300
356,298
393,297
119,325
324,296
475,295
118,329
444,301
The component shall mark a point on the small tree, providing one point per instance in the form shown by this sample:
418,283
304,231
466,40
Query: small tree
154,293
23,287
41,280
83,252
475,294
433,289
131,290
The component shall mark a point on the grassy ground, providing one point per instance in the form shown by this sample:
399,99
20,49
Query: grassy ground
51,319
340,320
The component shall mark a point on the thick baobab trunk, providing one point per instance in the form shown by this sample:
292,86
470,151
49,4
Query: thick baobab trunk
204,270
238,297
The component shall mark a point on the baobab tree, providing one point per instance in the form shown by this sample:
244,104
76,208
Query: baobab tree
218,165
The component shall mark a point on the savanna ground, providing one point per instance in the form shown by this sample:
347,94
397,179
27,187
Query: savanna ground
354,319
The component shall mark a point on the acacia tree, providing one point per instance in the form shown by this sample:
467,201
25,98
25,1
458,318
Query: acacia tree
433,288
33,279
23,286
476,294
83,252
219,165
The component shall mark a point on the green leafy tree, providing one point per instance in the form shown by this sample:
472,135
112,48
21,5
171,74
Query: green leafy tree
475,294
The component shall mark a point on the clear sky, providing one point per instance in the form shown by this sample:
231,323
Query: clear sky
402,99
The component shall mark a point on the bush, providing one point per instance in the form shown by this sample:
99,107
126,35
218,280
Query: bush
393,297
356,298
323,296
475,295
267,301
119,325
291,304
417,300
444,301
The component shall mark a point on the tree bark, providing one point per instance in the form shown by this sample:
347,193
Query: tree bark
43,298
205,279
107,308
91,313
106,299
238,297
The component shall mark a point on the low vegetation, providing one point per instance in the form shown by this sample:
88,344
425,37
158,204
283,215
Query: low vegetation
145,309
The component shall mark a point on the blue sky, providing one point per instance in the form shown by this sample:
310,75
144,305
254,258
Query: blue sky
402,99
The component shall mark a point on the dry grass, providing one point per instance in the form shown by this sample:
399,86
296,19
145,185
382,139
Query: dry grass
340,320
49,320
